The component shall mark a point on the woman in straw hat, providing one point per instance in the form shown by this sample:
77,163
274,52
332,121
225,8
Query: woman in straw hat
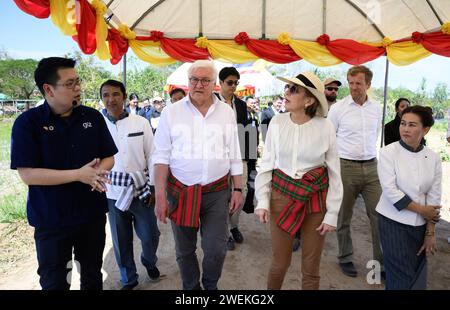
299,182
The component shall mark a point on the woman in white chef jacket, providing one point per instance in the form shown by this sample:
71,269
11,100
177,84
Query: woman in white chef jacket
410,176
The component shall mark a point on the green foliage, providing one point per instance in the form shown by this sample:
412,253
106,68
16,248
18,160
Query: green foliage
148,81
13,207
92,74
17,77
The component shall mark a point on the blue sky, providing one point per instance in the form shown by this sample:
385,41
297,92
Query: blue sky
24,36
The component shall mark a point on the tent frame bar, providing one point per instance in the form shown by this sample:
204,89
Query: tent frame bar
358,9
386,76
154,6
434,11
263,20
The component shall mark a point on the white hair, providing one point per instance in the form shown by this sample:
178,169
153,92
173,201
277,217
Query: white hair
204,64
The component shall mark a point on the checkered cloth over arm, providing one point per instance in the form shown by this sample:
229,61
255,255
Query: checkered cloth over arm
188,199
308,195
135,184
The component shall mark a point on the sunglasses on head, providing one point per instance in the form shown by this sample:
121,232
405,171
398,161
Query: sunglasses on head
330,88
291,88
231,83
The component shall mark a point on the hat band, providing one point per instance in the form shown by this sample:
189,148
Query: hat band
305,81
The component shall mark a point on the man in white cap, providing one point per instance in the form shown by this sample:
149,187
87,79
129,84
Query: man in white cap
331,90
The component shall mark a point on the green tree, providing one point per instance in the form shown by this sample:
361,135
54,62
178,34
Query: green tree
92,74
148,80
17,77
421,97
440,102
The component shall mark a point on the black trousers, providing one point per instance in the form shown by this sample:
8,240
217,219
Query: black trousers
54,249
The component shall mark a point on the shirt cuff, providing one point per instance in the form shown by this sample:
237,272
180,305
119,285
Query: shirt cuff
236,168
263,204
402,203
330,219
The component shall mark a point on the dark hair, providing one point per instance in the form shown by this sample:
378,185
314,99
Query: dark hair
361,69
227,71
424,113
177,90
270,103
47,71
397,103
278,97
312,109
133,96
114,83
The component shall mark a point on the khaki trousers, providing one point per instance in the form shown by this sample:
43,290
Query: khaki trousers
312,245
358,178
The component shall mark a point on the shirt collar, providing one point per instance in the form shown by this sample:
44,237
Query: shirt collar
211,108
406,146
48,113
110,118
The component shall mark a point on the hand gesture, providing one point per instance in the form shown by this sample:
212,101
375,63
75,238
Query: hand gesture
325,228
263,215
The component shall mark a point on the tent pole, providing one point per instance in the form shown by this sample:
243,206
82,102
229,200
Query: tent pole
386,75
124,73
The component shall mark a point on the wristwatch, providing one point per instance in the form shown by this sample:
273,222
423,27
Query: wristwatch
237,189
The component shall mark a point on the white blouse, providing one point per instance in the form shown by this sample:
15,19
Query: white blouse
295,150
417,175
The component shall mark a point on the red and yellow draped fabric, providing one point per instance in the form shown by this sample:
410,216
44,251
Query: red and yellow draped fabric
85,22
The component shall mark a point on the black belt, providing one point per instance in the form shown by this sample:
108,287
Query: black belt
360,161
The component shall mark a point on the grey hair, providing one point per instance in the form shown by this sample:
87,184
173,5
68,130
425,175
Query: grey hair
204,64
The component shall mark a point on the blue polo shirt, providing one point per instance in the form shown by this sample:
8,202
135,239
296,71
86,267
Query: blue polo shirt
41,139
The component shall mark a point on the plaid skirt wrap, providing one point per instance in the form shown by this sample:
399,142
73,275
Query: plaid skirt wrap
188,199
308,195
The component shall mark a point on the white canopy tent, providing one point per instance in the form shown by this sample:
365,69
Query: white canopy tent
253,77
361,20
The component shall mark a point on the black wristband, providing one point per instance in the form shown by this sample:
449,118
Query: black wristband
237,189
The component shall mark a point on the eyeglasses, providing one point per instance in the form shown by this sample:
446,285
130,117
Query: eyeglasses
292,89
329,88
230,82
70,84
204,82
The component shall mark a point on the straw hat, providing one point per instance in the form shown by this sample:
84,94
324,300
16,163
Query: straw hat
312,83
332,80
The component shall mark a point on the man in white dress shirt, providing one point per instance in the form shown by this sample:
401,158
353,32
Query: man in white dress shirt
129,194
357,120
196,149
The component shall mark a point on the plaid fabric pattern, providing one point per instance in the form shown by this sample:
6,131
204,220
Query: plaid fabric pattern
135,184
308,195
187,211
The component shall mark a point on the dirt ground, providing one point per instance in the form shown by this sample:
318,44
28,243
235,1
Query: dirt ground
246,267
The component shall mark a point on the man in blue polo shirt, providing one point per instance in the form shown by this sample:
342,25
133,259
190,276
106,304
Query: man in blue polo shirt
63,152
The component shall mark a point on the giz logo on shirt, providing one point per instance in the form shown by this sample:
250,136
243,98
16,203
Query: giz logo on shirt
87,125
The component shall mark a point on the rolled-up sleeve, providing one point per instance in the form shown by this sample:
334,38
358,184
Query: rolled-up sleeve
163,143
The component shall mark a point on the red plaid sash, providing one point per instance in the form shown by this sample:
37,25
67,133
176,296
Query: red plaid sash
308,195
189,198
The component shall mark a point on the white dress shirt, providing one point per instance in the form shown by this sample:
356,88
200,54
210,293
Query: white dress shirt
357,128
134,139
297,149
417,175
198,149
